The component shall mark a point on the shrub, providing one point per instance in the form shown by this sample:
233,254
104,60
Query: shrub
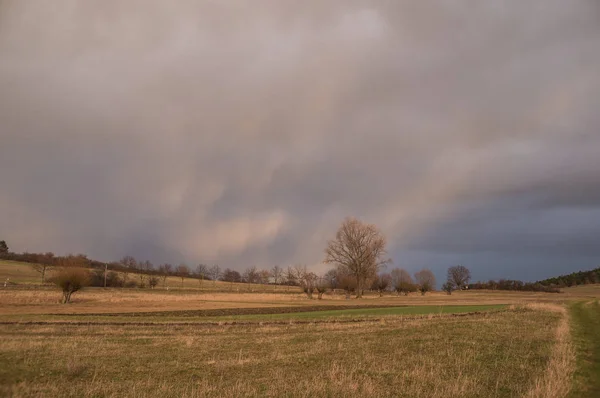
152,281
71,280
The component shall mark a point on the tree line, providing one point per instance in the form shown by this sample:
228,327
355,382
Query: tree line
573,279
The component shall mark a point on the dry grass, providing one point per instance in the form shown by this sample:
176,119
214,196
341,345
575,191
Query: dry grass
98,300
499,354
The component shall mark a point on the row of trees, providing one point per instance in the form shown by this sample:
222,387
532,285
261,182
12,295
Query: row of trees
516,285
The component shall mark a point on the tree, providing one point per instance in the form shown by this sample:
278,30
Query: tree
215,273
277,273
448,287
459,276
250,275
381,283
264,276
71,280
402,282
201,272
129,264
331,277
143,268
182,271
230,275
321,285
345,281
152,281
358,247
164,271
42,268
425,280
306,279
3,248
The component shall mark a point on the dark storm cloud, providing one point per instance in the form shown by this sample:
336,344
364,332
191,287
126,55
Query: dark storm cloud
243,132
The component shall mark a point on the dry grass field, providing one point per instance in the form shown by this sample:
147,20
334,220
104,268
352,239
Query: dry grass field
495,354
198,342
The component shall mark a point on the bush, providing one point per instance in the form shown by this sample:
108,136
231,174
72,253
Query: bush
130,284
152,281
112,279
71,280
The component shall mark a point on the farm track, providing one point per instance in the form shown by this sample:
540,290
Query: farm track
249,323
236,311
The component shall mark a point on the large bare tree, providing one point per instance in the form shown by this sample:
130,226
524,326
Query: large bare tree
459,275
360,249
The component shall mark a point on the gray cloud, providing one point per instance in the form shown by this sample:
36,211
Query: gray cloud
243,133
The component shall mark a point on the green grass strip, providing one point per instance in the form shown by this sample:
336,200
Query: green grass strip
586,332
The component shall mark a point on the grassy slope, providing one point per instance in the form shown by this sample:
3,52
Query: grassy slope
16,272
586,331
23,274
496,354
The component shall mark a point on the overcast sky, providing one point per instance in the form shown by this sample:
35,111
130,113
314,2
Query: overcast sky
243,132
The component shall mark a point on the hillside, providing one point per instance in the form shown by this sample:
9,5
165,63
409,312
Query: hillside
19,273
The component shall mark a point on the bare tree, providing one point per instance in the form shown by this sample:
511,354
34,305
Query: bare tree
277,274
230,275
402,282
165,270
426,280
42,268
360,248
152,281
129,264
346,281
306,279
251,275
143,268
332,279
215,273
70,280
182,271
321,286
201,272
381,283
459,276
264,276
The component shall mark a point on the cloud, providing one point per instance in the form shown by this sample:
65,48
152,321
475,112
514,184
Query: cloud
244,133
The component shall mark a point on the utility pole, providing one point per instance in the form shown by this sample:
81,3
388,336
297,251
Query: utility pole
105,270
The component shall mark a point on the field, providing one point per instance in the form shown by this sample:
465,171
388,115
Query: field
199,341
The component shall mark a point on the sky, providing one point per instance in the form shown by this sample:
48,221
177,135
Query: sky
243,133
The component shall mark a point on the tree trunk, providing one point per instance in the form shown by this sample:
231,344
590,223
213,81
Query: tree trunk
66,297
358,288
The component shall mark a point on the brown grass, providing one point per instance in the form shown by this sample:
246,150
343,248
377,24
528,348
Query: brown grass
98,300
501,354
